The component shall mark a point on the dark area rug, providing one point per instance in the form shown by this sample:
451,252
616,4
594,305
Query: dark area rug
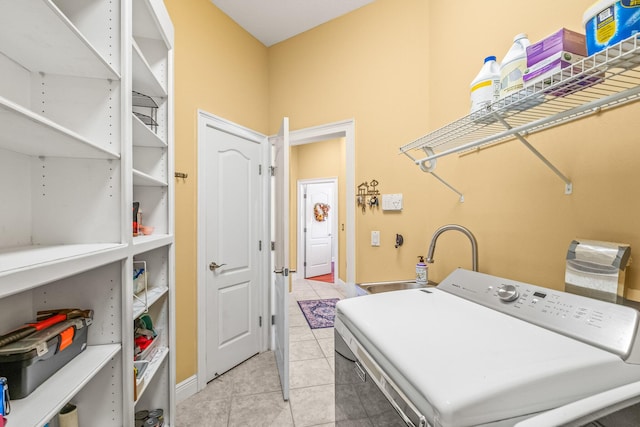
319,313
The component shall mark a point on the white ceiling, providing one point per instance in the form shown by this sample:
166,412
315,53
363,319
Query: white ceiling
272,21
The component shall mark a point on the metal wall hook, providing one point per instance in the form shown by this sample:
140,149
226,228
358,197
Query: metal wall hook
367,195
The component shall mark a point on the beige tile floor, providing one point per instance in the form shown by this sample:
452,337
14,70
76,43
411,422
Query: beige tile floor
250,394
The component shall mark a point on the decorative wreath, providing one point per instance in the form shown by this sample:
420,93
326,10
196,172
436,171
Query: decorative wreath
321,211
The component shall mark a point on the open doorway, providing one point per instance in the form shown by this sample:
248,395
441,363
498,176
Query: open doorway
318,219
345,133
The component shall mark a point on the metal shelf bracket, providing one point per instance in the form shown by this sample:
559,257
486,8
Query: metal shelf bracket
568,186
428,165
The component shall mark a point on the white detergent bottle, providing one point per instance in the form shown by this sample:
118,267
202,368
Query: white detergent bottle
485,88
513,66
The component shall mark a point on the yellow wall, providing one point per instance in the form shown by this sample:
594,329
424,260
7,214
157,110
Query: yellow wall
402,68
370,65
324,159
219,68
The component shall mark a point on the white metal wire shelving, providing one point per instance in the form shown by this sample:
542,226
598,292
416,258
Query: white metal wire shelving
599,82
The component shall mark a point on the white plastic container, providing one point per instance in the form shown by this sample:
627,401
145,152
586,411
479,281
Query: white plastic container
513,66
485,88
608,22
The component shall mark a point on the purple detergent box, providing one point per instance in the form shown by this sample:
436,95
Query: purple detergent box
546,69
551,60
556,45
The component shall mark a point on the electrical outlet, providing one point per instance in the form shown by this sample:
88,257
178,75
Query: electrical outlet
375,238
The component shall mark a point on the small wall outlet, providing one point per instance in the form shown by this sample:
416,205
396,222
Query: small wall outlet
375,238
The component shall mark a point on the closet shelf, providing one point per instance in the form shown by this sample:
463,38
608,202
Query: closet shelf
144,81
44,40
47,400
25,267
144,180
143,244
154,367
28,133
153,295
145,137
605,80
152,21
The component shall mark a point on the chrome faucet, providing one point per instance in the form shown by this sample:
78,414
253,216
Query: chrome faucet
463,230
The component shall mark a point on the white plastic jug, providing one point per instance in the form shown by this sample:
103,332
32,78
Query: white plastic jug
513,66
485,88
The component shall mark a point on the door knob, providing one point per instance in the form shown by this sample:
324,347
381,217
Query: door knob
213,266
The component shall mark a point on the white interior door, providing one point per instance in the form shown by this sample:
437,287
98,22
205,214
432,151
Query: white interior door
281,254
319,218
233,214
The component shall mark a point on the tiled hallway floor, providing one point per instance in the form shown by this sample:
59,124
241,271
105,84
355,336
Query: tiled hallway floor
250,394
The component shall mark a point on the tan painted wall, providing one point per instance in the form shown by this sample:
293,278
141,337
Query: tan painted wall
401,68
324,159
219,68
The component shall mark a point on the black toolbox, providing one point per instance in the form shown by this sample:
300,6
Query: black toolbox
27,363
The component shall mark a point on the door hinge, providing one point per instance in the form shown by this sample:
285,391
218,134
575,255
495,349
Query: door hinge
305,195
260,321
273,246
304,229
273,319
305,263
272,170
260,245
259,169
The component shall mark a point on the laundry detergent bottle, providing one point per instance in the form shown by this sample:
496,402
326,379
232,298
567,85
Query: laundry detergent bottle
421,271
513,66
485,88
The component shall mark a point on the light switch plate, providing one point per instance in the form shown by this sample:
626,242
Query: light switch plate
375,238
392,202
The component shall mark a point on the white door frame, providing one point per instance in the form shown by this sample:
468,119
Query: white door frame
301,216
209,120
343,129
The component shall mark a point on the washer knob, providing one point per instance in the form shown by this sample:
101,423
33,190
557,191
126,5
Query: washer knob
508,293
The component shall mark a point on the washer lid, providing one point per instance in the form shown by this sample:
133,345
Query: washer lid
464,364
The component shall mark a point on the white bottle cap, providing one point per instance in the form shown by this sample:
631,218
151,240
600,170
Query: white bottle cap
520,36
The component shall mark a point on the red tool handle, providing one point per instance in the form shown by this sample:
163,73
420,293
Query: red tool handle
49,321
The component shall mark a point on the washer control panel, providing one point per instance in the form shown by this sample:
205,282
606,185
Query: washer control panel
606,325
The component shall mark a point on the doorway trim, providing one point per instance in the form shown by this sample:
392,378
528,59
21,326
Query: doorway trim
301,221
343,129
205,120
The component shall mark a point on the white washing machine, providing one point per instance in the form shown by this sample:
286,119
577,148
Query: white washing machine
479,350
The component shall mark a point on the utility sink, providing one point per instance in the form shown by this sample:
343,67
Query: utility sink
378,287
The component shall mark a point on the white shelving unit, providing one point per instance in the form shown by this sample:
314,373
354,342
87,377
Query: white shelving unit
152,186
605,80
73,158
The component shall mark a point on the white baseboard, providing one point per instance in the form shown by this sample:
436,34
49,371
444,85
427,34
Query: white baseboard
186,388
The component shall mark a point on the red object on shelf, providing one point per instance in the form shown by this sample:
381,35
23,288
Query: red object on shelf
143,342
